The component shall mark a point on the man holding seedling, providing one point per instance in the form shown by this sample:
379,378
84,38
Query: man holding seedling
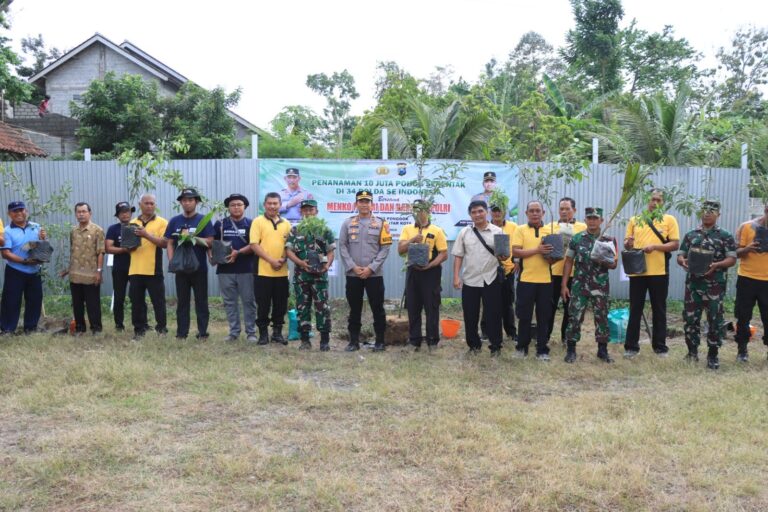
498,218
588,287
422,286
311,246
121,262
706,291
752,283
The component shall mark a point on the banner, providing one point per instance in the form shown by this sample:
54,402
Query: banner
394,185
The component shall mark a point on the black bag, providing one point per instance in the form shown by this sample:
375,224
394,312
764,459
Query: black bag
40,250
499,270
633,262
184,260
667,255
128,238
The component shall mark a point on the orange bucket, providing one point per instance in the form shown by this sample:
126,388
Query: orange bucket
450,327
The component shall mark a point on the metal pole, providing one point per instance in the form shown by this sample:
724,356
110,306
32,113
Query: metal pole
744,158
384,144
595,152
87,154
255,146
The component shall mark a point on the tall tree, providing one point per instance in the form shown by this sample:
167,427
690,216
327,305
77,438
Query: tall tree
297,121
745,66
37,54
13,87
338,91
593,49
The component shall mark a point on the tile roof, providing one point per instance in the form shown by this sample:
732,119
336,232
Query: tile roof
12,140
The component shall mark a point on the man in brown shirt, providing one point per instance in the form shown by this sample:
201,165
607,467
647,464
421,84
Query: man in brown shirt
86,258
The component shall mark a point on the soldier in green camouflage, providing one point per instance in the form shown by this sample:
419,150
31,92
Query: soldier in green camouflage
706,291
312,253
589,286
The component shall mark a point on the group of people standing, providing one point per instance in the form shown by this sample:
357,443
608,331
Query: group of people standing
500,293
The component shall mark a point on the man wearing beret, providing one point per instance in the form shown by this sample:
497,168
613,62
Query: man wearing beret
589,285
292,196
121,262
197,281
22,275
236,276
311,250
364,242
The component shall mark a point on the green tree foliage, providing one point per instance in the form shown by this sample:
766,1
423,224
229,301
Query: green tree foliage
593,49
298,121
534,133
13,87
202,119
37,54
745,65
338,91
117,114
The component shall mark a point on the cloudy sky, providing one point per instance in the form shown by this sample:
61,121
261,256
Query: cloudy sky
269,48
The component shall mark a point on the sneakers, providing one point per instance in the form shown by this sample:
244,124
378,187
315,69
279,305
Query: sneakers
252,338
520,354
713,363
629,354
742,357
542,357
229,338
379,347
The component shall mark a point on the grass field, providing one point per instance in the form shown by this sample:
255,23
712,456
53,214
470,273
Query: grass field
103,423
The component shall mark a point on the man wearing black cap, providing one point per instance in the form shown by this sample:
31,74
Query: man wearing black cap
489,183
187,223
22,275
364,242
121,261
236,276
292,196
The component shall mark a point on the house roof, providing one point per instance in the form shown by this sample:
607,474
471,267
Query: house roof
12,140
142,59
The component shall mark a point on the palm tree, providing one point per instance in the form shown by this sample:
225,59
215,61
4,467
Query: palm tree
449,132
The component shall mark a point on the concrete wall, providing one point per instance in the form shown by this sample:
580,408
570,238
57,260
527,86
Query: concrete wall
52,145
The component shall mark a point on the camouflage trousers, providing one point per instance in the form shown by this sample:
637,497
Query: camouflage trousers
309,292
703,296
576,309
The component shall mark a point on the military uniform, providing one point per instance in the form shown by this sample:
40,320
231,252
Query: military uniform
365,242
310,287
706,293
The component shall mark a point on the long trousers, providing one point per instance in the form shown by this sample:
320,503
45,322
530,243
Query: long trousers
557,282
490,297
18,285
530,295
119,287
507,307
86,297
186,284
140,285
271,295
373,287
656,287
422,292
748,292
236,289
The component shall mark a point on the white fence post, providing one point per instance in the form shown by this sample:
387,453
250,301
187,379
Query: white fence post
255,146
744,157
384,144
87,154
595,151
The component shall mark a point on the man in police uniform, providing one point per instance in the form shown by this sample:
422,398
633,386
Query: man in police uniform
311,285
589,286
657,240
707,291
489,183
422,287
364,242
292,196
752,283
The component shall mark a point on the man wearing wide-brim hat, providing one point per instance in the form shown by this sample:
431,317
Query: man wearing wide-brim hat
121,262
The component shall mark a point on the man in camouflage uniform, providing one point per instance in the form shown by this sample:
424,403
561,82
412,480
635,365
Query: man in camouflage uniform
707,291
589,286
309,283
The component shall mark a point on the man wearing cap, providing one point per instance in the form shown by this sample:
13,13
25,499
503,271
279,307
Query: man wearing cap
489,183
268,235
658,239
589,285
508,286
706,292
86,262
534,286
752,281
22,275
292,196
422,286
364,242
187,283
567,226
310,283
121,262
145,272
236,276
480,281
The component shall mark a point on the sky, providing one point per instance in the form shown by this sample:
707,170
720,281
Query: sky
269,48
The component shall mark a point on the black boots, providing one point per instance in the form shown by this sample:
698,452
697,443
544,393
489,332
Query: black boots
305,343
263,337
354,341
693,354
743,355
602,353
713,363
570,355
277,335
325,338
379,346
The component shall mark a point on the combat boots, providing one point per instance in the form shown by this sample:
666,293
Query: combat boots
570,354
277,335
602,353
713,363
263,336
305,343
693,354
354,341
325,338
743,355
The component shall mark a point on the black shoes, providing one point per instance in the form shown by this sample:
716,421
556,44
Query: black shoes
277,336
713,363
324,341
692,356
602,353
353,346
263,338
570,356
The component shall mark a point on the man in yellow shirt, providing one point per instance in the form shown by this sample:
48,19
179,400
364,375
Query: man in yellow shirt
752,283
657,240
422,287
508,286
2,233
268,235
534,287
567,209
